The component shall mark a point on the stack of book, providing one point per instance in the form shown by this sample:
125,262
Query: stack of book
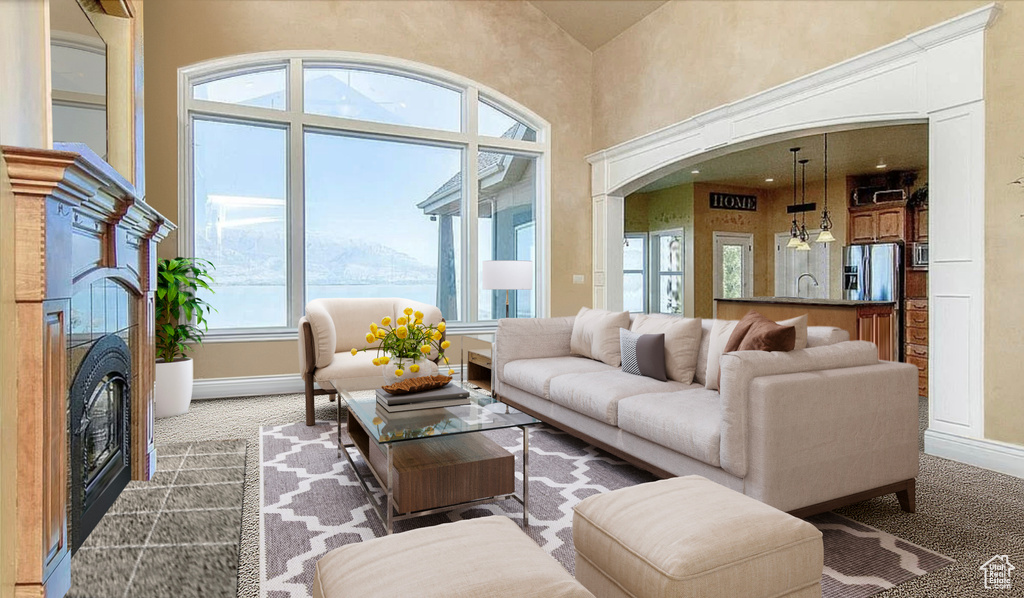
449,395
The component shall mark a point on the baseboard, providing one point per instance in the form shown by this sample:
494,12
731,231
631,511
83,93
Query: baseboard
250,386
246,386
988,454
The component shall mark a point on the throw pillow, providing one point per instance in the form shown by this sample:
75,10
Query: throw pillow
800,324
643,354
595,334
757,333
721,330
682,342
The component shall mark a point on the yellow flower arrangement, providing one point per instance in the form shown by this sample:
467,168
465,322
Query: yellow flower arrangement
408,340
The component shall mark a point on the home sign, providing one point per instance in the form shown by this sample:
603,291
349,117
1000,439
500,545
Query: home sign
732,201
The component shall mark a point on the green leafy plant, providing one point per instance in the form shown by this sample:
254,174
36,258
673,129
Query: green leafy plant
179,312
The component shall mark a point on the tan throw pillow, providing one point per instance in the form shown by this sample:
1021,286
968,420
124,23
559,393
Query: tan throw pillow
757,333
682,342
800,324
595,334
720,333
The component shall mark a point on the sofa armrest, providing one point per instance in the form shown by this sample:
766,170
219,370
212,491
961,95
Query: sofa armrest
325,337
740,368
529,338
817,436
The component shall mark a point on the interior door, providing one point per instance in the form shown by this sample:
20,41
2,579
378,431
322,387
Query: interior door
734,265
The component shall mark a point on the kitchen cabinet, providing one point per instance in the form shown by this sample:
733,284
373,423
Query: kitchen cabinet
921,225
878,224
916,340
877,324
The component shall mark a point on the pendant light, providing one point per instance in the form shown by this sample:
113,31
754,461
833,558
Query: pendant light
794,231
826,218
803,236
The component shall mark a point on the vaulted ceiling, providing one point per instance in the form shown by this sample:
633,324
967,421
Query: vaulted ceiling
595,22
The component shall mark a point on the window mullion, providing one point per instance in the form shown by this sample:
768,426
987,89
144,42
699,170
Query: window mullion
471,196
296,197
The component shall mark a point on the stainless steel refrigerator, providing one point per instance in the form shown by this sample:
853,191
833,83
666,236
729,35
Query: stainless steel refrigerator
873,273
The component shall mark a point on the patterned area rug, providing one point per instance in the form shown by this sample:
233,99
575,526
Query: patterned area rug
312,503
175,535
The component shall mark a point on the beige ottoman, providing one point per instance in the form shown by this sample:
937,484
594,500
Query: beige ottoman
476,558
691,537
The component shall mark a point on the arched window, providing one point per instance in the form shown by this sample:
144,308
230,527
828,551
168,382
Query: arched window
346,175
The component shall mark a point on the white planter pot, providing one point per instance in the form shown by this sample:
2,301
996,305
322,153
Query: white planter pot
427,368
173,388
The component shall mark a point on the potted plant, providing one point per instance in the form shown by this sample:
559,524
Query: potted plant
408,348
179,315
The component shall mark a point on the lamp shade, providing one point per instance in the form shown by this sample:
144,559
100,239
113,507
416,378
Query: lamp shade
507,275
825,236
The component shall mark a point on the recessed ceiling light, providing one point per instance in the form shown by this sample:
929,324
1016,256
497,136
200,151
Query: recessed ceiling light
880,166
694,172
769,180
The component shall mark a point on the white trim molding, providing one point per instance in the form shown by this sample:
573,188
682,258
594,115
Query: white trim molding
988,454
933,76
247,386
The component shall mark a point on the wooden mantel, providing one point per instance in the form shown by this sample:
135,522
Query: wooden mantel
75,219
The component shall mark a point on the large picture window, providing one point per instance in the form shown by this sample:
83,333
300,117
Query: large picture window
338,175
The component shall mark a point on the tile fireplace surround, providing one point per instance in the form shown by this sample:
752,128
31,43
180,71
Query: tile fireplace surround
85,266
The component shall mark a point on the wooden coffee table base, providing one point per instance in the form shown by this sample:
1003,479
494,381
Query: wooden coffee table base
425,476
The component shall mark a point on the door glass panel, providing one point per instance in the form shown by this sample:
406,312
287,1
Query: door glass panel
670,294
732,271
381,98
669,284
264,89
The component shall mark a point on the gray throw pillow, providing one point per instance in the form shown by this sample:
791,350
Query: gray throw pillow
643,354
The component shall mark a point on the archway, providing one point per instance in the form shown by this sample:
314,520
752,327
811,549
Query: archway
933,76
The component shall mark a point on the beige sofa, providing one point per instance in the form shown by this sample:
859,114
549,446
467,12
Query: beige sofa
804,431
328,332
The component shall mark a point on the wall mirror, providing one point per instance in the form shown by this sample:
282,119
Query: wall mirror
78,76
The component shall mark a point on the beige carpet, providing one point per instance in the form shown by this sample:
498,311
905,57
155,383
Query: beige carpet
966,513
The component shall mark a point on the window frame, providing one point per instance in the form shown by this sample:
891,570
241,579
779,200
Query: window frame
297,123
644,271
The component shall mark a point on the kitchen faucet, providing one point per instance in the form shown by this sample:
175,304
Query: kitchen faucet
801,278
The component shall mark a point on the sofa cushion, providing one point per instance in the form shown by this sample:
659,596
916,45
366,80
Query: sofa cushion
346,365
534,375
595,334
682,342
819,336
643,354
702,352
720,334
688,421
757,333
444,561
597,394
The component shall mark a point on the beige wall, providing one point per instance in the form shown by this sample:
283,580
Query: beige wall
652,76
508,46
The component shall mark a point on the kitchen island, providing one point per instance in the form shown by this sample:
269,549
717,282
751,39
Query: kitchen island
874,321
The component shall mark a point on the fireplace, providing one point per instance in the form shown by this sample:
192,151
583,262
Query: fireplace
84,283
99,403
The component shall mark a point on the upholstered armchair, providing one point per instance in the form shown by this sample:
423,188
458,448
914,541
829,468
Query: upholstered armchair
329,331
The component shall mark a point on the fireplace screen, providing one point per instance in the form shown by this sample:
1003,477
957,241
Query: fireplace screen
102,423
100,454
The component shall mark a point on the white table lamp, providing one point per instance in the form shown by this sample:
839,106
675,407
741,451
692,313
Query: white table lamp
507,275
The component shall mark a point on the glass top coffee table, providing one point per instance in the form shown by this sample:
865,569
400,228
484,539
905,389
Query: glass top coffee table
428,461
